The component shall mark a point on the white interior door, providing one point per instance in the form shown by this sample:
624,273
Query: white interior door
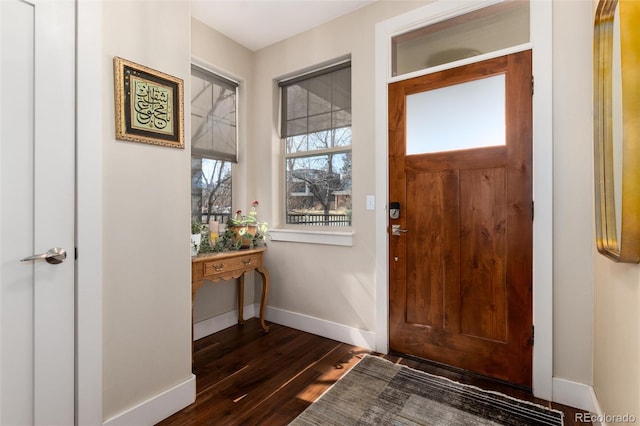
37,298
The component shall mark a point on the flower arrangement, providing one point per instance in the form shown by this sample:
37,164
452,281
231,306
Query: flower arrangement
242,231
247,228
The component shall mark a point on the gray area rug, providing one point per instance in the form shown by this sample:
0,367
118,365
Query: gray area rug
378,392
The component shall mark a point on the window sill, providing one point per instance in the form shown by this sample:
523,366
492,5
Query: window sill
312,237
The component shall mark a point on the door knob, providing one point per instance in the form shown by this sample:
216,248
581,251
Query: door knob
54,256
395,230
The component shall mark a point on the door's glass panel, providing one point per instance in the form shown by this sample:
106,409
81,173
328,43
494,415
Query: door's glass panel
463,116
486,30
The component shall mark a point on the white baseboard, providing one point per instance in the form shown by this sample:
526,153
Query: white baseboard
331,330
574,394
213,325
158,407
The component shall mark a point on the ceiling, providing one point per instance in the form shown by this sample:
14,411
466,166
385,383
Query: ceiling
258,23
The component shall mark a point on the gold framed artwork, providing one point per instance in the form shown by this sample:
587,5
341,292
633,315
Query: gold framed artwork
149,105
616,129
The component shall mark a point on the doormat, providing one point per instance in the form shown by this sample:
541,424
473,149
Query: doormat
378,392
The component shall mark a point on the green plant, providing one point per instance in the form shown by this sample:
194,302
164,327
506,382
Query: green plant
261,236
196,227
227,242
205,245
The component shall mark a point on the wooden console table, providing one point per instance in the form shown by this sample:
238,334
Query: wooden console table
225,266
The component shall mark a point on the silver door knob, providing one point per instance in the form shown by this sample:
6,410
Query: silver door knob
54,256
395,230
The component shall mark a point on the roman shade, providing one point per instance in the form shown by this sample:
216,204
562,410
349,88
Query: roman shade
317,101
213,116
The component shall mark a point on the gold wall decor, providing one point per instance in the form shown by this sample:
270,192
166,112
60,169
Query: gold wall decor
149,105
617,129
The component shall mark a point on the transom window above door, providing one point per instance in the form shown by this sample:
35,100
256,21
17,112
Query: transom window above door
489,29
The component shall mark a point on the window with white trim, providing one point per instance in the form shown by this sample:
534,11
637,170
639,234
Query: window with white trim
213,144
316,132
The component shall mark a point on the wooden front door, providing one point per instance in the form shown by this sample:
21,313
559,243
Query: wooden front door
461,262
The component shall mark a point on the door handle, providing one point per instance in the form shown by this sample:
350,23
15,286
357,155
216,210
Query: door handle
395,230
54,256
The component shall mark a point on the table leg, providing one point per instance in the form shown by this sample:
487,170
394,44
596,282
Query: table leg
241,299
194,289
265,294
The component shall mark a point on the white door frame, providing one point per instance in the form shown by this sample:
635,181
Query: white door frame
541,44
89,119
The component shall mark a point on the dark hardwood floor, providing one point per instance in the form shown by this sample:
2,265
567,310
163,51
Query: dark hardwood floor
247,377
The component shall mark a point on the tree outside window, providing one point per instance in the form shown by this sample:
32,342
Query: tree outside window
210,190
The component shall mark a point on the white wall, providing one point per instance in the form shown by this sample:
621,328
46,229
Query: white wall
573,224
616,366
146,199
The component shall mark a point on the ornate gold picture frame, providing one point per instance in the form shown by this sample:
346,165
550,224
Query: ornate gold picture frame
149,105
617,129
